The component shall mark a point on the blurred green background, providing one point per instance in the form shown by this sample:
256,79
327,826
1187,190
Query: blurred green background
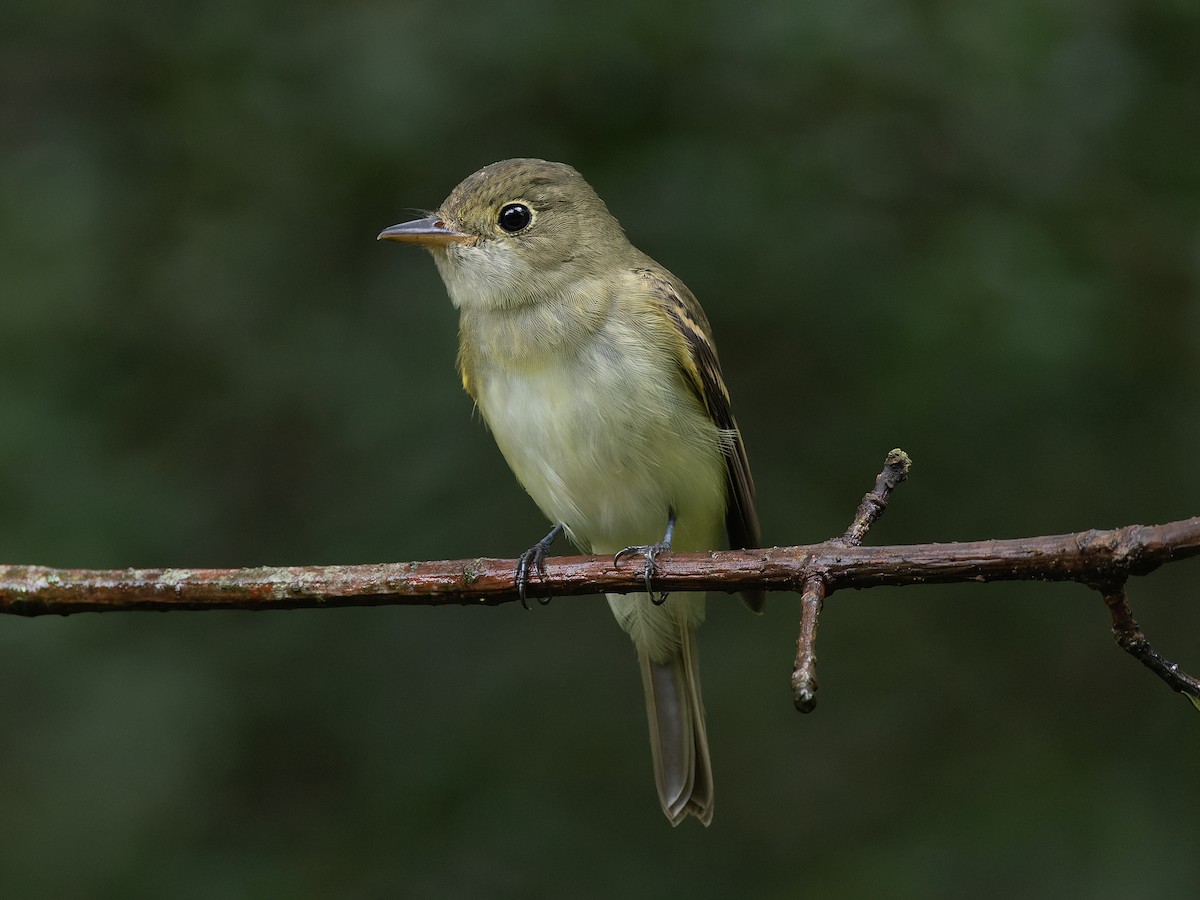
969,230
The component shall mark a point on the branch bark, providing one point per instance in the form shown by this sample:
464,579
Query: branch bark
1101,560
1090,558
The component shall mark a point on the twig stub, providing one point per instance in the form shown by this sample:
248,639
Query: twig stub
1131,639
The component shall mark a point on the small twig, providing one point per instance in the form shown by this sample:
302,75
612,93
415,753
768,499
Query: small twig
1131,639
815,588
895,470
804,674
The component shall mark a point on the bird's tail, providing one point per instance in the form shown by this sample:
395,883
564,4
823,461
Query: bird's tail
678,739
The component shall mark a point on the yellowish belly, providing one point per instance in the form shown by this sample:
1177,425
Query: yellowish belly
608,450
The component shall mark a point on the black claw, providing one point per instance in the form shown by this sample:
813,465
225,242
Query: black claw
535,556
626,552
521,576
651,552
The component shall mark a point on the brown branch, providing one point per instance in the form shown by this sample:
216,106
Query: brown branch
1102,560
1089,557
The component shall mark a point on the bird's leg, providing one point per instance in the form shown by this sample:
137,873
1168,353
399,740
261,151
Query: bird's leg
535,556
651,552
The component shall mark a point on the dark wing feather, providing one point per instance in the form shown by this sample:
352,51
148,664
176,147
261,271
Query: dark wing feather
703,372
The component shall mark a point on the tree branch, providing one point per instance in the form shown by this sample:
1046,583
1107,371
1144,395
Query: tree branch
1101,560
1089,557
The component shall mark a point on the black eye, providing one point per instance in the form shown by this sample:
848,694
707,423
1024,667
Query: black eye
514,217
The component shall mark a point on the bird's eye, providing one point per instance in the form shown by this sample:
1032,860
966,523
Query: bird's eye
514,217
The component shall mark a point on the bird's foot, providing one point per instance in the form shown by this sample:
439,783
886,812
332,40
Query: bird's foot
651,552
534,560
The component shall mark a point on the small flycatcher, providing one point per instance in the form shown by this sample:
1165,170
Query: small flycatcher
594,368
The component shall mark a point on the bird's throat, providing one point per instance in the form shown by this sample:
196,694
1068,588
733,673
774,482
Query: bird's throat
542,329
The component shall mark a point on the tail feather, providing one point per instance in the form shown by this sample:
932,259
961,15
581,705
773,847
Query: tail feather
678,738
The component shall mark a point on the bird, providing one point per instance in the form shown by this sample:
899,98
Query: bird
595,370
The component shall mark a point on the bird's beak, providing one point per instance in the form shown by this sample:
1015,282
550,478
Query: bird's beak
430,232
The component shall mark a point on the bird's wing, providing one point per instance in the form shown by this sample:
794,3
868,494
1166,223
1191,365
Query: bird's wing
703,372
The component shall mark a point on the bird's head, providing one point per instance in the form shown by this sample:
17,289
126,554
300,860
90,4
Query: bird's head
517,232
